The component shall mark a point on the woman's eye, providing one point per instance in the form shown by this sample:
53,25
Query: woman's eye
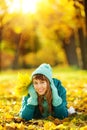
35,83
42,82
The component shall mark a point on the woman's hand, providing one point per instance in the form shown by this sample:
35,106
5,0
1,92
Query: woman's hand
33,96
56,101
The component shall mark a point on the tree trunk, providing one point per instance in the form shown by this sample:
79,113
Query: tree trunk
0,58
83,47
82,35
15,63
85,8
0,48
70,50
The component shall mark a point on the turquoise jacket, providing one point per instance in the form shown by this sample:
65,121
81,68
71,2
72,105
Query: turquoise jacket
29,112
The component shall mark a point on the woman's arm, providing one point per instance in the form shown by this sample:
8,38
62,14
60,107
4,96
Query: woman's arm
27,110
60,111
28,104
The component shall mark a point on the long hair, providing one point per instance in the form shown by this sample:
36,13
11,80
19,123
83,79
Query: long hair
48,94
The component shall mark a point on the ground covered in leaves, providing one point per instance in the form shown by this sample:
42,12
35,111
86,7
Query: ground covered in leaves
75,82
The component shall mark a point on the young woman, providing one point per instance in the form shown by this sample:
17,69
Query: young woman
46,96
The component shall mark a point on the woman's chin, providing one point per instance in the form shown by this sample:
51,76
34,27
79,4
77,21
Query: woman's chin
41,93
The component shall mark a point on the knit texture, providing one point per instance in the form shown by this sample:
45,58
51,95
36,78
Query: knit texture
44,69
32,100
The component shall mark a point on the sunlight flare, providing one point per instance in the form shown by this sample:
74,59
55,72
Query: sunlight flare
29,6
24,6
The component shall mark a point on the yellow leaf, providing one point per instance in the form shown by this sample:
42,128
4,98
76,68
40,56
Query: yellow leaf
83,128
23,82
61,126
49,126
1,128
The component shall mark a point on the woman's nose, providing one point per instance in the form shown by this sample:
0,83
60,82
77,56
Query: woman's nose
39,85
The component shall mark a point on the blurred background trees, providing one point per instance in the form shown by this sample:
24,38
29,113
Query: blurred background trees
55,33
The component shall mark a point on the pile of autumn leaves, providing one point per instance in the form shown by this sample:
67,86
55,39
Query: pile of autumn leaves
10,105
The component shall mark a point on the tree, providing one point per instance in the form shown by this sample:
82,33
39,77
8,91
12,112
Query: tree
85,40
85,8
79,6
3,9
56,22
70,50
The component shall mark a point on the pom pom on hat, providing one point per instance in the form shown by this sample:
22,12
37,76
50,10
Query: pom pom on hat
44,69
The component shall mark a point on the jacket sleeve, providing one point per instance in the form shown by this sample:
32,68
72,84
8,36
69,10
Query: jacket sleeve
61,110
27,111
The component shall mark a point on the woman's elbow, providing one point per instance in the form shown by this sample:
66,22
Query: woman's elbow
61,112
25,116
26,113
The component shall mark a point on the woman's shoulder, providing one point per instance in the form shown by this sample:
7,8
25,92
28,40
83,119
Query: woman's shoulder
56,81
58,84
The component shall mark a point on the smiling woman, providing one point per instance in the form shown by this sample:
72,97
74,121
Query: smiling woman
24,6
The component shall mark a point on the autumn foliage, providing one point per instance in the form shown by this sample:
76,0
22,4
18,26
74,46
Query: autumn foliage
76,86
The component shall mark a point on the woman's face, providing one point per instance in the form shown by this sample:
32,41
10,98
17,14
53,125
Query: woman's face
40,86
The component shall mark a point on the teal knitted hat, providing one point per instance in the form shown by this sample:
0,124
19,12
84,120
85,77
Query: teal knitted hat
44,69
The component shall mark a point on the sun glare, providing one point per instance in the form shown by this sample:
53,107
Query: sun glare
13,6
24,6
29,6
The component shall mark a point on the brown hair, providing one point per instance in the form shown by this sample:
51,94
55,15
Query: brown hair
48,94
